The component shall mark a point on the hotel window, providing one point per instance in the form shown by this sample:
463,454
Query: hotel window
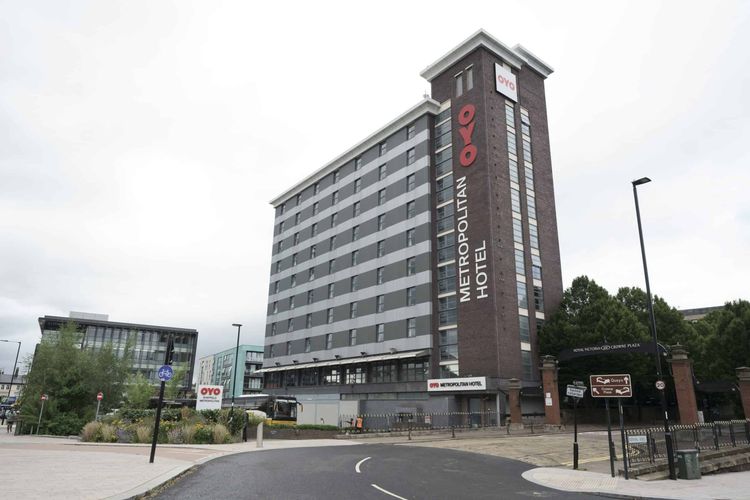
294,259
297,200
357,163
334,197
523,325
331,266
291,302
296,218
534,236
410,234
536,267
353,283
411,266
411,327
413,371
290,325
469,78
270,351
513,169
382,148
517,231
275,287
293,280
520,266
459,84
288,348
382,172
353,310
379,333
314,229
273,328
411,296
380,303
332,242
357,185
447,310
381,196
411,209
379,276
334,219
526,365
283,209
381,248
511,141
310,297
355,233
381,222
523,299
329,341
308,345
447,278
355,257
356,209
331,291
356,374
313,251
410,156
329,315
353,336
384,372
411,131
538,299
411,182
316,188
515,200
335,176
296,238
311,274
275,307
531,206
316,205
281,227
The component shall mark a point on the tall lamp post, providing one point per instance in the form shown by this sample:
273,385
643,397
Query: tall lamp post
662,396
13,374
234,370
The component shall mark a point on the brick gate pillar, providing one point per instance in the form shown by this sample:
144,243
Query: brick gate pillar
743,374
682,373
551,392
514,401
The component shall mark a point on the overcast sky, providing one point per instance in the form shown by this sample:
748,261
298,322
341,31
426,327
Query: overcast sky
141,141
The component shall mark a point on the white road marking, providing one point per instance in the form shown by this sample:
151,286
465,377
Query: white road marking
387,492
356,467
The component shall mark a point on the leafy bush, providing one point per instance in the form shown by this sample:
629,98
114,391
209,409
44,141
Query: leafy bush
107,434
136,415
317,427
188,433
203,434
143,434
66,424
176,435
90,431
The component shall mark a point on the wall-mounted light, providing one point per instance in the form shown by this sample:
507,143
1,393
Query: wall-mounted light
363,353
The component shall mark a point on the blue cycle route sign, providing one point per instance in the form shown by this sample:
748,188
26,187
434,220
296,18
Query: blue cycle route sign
165,373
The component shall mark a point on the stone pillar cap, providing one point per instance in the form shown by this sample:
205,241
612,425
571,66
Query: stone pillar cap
743,373
514,383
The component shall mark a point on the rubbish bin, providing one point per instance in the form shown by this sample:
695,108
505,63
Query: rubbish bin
688,464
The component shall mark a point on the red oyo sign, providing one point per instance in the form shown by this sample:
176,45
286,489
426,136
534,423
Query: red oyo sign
466,120
210,391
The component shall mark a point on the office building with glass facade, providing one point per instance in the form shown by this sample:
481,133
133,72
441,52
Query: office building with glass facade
426,253
217,369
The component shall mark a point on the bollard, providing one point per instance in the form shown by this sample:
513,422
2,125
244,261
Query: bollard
259,436
453,431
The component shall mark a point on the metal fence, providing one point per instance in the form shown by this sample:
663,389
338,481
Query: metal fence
648,444
407,421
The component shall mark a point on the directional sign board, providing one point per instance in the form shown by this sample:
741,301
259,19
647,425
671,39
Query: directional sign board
165,373
611,386
575,391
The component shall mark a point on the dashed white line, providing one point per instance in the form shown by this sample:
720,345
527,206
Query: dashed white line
387,492
356,467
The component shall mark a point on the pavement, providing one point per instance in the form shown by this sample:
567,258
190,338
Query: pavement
48,467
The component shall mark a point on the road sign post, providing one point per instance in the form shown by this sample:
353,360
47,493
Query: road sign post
165,373
575,391
39,422
99,398
622,437
612,386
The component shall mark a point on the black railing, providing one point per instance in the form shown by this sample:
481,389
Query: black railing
646,445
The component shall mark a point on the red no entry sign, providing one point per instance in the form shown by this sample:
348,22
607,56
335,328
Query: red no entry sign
99,396
44,397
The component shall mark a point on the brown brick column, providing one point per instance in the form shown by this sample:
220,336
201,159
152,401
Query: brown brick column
551,392
514,401
743,374
682,372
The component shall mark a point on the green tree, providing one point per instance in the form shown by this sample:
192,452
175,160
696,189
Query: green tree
71,377
727,340
175,384
138,392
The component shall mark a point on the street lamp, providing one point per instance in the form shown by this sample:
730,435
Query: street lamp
667,433
13,374
234,370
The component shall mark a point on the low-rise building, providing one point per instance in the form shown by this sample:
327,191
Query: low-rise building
217,369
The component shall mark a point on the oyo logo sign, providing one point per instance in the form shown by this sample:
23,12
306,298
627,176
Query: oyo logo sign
505,82
466,120
210,391
502,80
434,384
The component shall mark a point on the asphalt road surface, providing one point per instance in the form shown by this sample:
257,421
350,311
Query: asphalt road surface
378,472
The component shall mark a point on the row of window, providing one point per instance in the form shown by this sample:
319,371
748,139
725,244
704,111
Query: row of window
411,132
411,331
383,372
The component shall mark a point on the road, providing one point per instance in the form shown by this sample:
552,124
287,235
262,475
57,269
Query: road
363,472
